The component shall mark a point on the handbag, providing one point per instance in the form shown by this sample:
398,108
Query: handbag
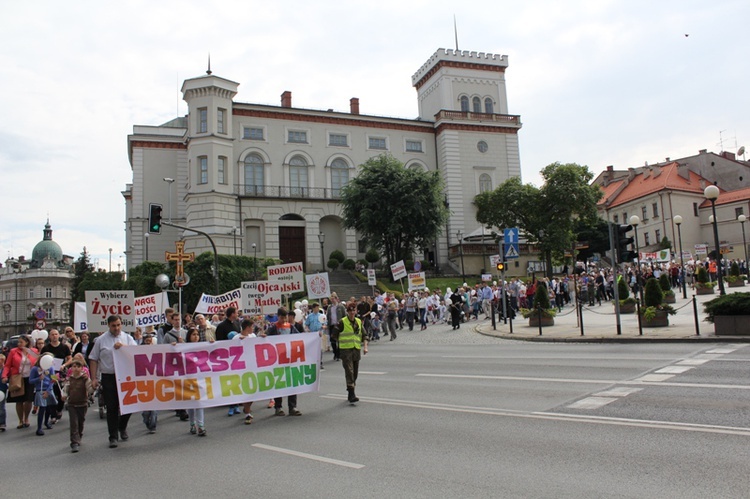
16,387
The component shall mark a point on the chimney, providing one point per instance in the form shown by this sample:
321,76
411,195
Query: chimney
286,99
354,105
702,151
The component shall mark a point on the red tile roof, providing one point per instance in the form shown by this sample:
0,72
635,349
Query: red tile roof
726,197
645,183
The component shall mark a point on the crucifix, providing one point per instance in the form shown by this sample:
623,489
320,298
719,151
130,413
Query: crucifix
179,257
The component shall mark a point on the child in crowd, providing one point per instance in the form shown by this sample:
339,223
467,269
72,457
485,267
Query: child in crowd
44,398
375,325
248,331
150,418
4,393
196,416
77,391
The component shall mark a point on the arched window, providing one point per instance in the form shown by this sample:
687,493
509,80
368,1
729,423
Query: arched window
477,104
485,183
298,175
489,108
339,176
254,175
464,104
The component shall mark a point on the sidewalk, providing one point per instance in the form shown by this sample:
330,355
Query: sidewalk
599,325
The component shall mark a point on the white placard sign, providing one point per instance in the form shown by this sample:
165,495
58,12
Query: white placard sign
102,304
398,270
487,277
260,297
79,317
371,280
417,280
149,309
318,285
210,304
290,276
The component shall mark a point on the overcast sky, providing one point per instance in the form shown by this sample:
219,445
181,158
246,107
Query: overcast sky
596,83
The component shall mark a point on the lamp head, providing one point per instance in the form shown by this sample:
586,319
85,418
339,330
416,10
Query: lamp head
677,219
711,192
710,219
741,219
634,220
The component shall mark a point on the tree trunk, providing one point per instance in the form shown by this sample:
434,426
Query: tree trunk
548,263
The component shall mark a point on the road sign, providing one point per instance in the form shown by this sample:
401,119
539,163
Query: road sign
510,237
40,314
40,324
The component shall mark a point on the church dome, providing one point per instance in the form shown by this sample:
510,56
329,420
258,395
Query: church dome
46,249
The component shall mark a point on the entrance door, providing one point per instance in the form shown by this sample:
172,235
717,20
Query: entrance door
292,244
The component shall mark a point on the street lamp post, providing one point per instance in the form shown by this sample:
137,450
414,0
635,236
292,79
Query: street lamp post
741,219
322,240
461,252
255,262
110,259
146,236
234,239
170,181
712,193
635,221
678,222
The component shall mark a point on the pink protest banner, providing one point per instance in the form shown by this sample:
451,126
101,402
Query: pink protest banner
190,375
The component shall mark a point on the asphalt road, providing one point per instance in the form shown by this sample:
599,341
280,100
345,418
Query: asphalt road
443,414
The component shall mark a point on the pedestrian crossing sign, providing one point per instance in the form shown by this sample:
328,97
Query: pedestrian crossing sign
511,251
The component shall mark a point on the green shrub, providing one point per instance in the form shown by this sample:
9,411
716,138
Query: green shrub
333,264
653,293
623,290
348,264
734,270
372,256
541,298
338,256
664,282
731,304
702,275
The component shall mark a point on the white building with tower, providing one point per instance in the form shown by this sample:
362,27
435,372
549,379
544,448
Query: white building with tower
265,180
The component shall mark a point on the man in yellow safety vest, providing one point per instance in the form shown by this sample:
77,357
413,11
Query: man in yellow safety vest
352,339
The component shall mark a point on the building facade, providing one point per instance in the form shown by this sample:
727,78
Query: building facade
43,282
265,181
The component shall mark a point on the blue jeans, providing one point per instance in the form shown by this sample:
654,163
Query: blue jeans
149,419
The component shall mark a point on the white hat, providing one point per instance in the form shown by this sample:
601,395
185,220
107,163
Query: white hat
373,315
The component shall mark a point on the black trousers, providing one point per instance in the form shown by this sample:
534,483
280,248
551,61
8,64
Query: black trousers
115,422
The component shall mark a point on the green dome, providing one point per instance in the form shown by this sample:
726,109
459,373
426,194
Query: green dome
46,248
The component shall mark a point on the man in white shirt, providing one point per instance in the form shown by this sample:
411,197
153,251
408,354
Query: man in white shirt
102,362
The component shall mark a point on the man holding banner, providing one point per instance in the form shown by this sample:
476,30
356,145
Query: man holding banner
102,362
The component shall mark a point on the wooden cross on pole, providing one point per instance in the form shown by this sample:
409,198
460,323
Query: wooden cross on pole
179,257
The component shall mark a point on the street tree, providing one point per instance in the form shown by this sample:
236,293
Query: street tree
396,210
81,268
547,215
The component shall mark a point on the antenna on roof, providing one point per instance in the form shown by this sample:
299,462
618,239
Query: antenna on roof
455,31
208,71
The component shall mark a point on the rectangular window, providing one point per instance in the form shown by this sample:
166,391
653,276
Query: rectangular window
625,217
738,211
655,209
252,133
646,239
48,292
361,246
377,143
644,213
414,146
202,120
657,235
220,114
220,169
7,295
297,136
338,140
31,293
48,310
6,315
202,170
616,219
695,209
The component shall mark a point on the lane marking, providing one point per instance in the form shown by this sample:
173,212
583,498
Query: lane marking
655,378
693,362
618,391
673,369
551,416
644,380
721,350
590,403
313,457
373,372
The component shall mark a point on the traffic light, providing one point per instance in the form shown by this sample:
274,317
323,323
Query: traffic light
154,218
622,241
500,266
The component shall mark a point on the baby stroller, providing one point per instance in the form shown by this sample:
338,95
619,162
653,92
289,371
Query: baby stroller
100,401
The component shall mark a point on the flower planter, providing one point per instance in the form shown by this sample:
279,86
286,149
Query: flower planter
739,283
660,320
669,299
732,325
546,321
627,308
703,291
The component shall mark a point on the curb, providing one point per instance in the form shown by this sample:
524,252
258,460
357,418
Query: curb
614,339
